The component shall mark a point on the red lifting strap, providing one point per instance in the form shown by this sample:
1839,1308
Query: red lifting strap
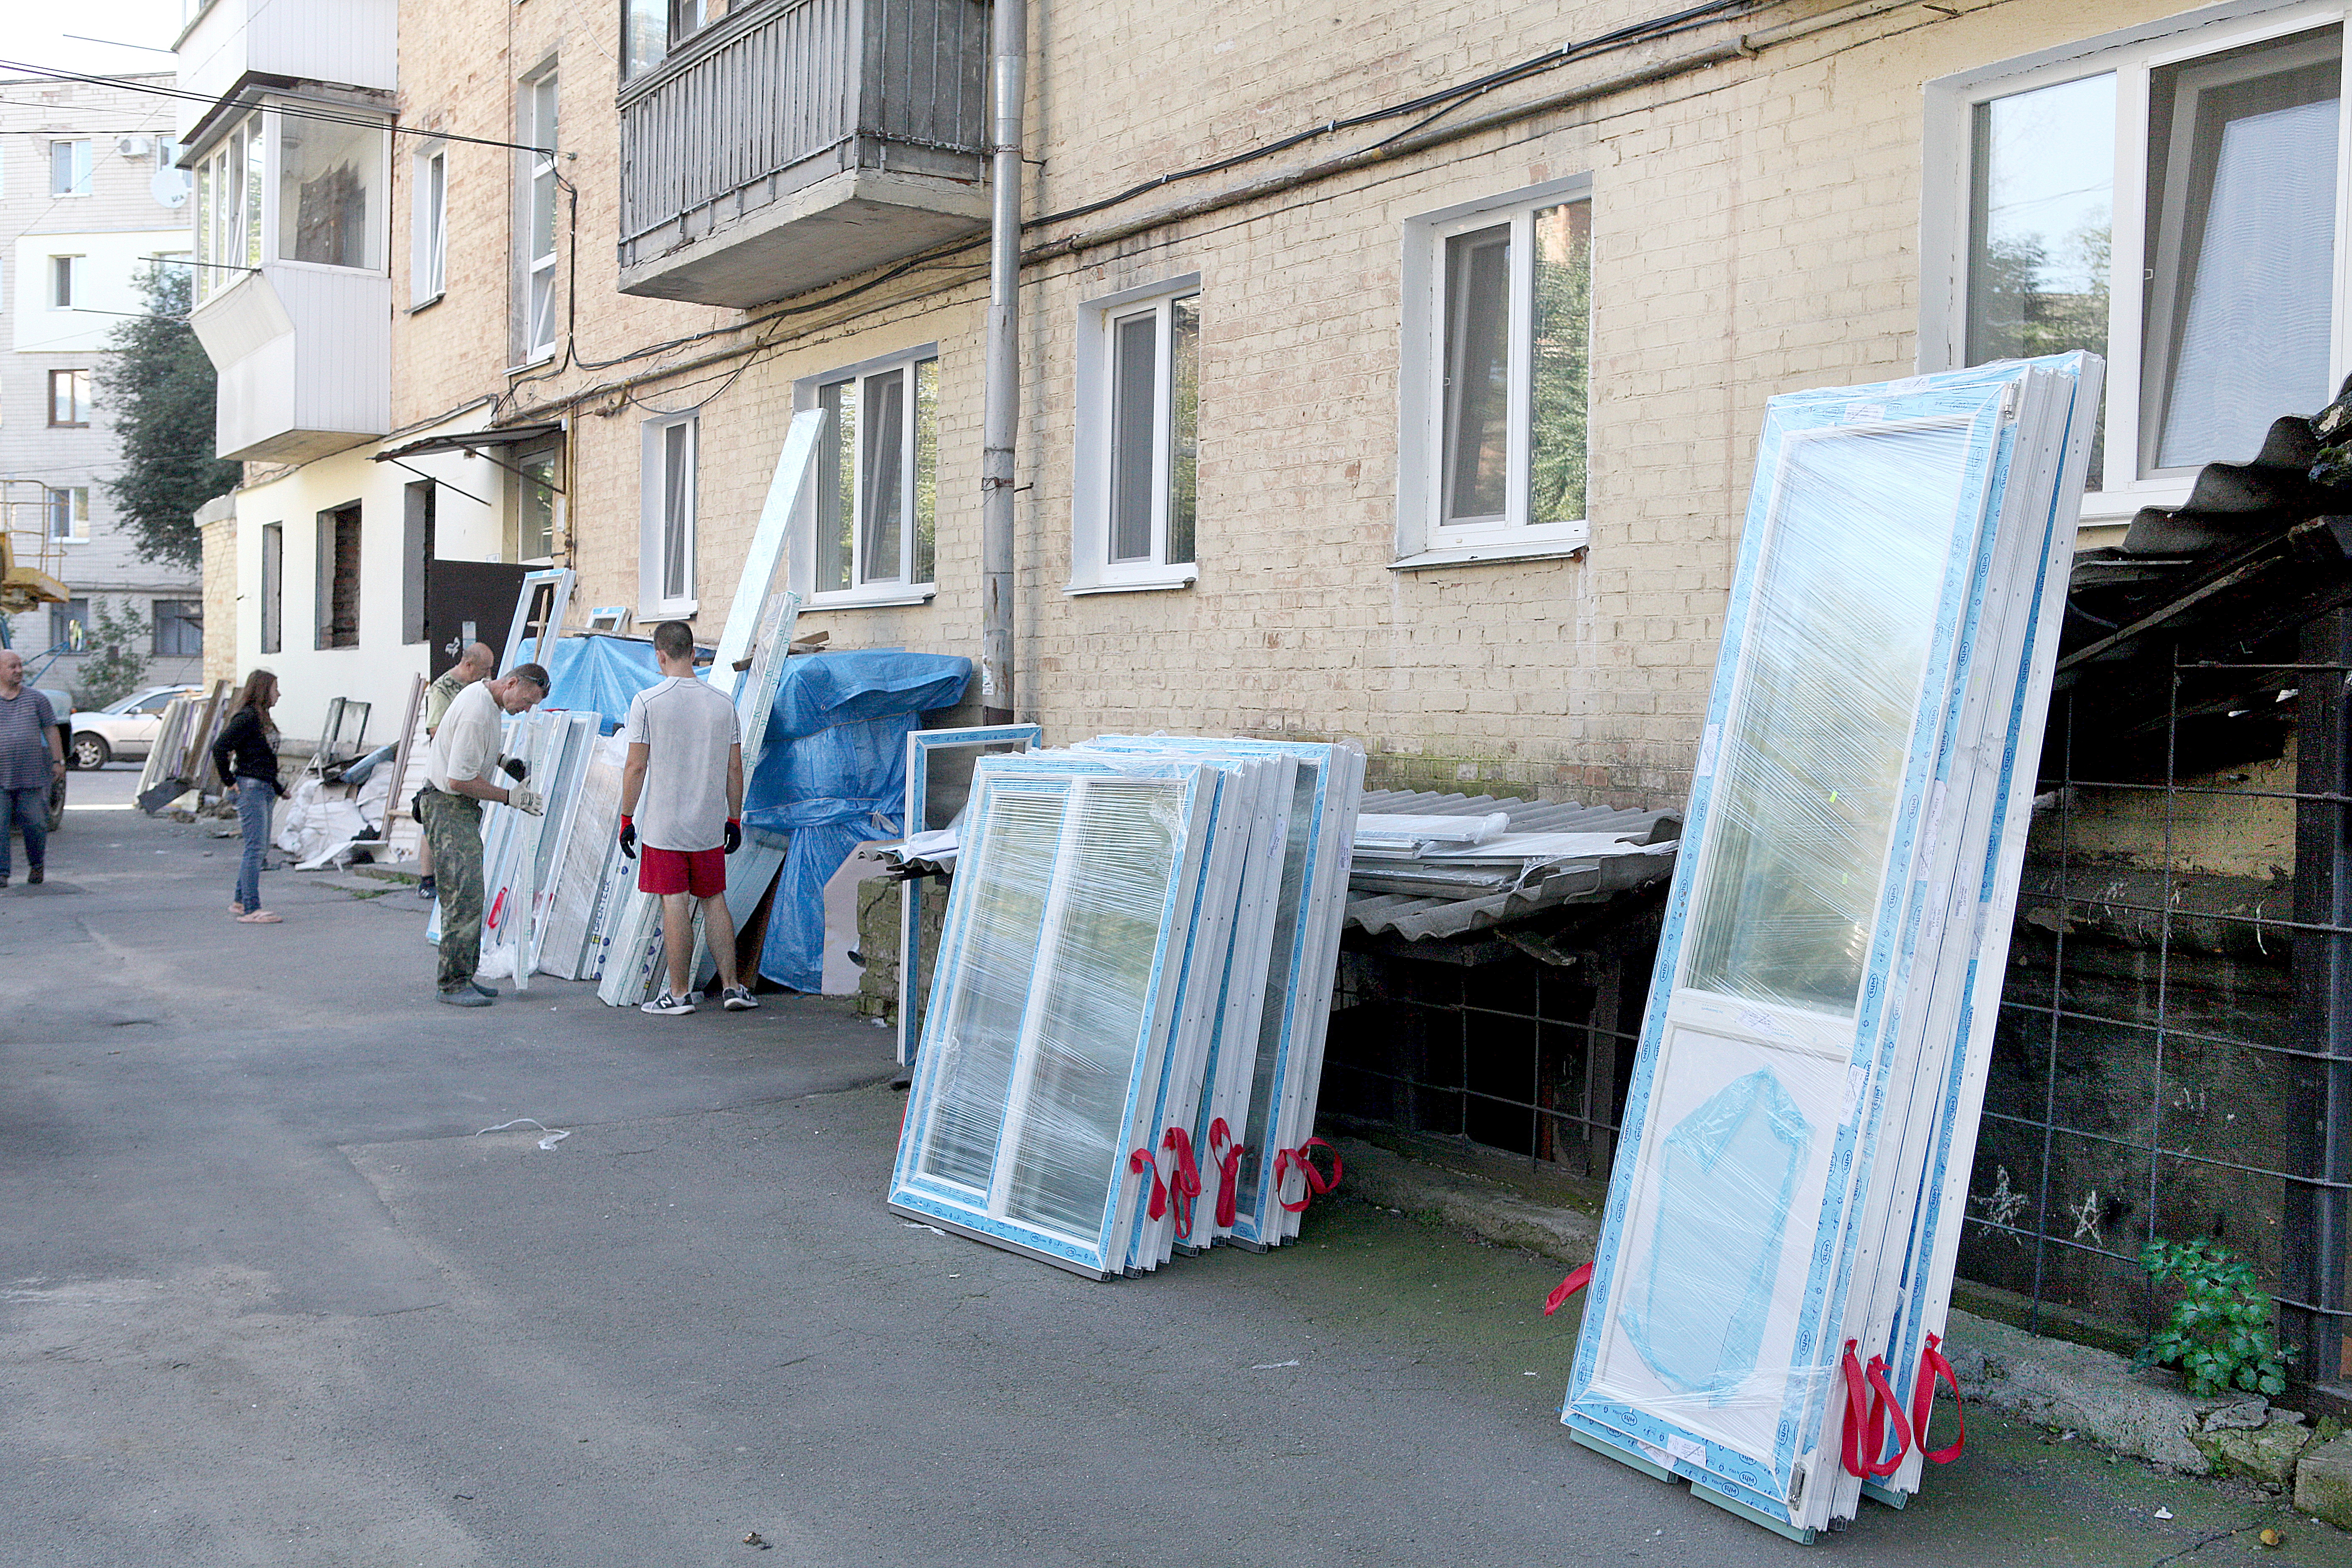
1316,1186
1185,1185
1229,1169
1576,1281
1870,1404
1932,1365
1140,1161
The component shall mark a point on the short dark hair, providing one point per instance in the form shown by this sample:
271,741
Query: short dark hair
534,673
675,638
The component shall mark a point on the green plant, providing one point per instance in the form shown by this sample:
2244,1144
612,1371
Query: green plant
157,386
116,660
2220,1333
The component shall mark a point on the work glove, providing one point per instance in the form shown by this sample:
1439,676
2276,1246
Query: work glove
524,798
734,835
515,769
628,838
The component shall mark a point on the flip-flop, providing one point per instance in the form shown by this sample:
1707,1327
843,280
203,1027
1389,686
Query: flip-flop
236,909
259,917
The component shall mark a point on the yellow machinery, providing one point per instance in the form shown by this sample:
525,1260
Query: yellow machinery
31,555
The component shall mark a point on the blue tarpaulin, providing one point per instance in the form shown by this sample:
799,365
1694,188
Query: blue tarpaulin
835,775
600,673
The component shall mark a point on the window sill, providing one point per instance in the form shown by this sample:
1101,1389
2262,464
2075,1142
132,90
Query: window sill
1493,552
1182,578
675,610
427,302
869,599
543,356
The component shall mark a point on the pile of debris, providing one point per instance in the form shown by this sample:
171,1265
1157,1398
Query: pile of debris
1774,1272
1122,1050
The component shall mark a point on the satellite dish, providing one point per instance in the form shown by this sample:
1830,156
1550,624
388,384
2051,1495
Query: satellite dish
170,186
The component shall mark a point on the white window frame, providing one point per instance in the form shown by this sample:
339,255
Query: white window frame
1421,539
2132,55
76,501
535,273
82,171
654,600
905,588
73,275
428,242
1092,571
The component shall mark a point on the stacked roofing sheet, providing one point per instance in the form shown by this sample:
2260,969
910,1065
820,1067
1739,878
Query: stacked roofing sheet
1593,853
1124,1036
1778,1250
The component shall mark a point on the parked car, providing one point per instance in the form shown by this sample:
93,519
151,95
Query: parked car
62,706
126,729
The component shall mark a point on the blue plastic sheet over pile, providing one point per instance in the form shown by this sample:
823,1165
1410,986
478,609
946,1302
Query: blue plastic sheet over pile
600,674
835,775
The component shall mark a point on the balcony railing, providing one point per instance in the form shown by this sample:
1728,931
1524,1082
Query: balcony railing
786,119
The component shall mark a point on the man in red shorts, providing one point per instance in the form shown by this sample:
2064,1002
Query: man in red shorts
682,799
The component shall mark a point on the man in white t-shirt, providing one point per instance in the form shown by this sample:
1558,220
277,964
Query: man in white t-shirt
459,772
682,800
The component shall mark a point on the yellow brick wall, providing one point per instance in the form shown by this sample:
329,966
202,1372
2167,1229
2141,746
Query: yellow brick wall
219,537
1755,230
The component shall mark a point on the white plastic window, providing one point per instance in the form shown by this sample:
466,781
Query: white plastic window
1495,458
70,168
876,489
2170,201
429,238
330,192
1138,498
537,233
668,499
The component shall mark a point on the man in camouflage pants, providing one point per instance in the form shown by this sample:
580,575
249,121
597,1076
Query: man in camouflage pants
458,774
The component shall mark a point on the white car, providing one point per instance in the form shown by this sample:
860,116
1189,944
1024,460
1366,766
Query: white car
124,729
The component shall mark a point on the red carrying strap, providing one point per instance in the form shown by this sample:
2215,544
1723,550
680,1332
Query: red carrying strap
1315,1184
1932,1365
1229,1170
1870,1404
1576,1280
1185,1185
1140,1161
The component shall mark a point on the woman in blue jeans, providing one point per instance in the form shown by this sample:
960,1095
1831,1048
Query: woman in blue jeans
246,757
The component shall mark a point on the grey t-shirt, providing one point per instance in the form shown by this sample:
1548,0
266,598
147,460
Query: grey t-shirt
688,729
25,722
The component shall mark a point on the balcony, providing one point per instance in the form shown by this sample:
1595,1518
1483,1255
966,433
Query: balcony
799,141
232,42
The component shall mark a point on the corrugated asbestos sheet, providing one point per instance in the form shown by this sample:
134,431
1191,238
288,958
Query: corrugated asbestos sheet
1648,857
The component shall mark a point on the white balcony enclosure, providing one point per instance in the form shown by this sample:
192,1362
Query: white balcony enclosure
792,143
234,43
293,292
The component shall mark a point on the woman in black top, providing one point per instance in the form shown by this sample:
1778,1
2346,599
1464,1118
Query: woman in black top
246,757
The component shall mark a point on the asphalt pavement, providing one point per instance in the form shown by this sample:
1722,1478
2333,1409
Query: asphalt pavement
271,1292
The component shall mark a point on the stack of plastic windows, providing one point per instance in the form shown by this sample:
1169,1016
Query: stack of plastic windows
565,947
1797,1130
1054,1006
938,783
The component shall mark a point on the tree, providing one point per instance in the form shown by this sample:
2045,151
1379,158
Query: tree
158,385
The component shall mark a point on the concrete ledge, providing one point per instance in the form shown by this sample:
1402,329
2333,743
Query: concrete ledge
2055,1383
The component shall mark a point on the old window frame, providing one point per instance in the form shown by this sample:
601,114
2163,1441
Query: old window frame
338,623
1096,456
272,629
538,102
2133,56
74,385
1423,536
913,576
186,628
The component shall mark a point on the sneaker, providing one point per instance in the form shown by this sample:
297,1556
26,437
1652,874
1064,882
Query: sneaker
466,996
666,1003
425,888
32,877
740,999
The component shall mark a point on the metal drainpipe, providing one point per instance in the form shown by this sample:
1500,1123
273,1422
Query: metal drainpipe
1000,418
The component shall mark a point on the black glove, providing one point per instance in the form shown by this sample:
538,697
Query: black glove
517,768
734,835
628,838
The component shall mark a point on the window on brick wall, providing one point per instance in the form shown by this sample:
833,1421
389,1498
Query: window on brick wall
875,489
339,578
70,168
429,226
537,220
2168,198
68,398
667,501
68,513
538,483
1135,508
1492,460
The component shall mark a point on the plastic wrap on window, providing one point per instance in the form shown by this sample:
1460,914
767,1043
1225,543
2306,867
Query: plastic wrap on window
1789,1102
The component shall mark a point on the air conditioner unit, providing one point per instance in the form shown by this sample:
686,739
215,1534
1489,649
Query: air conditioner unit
134,146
